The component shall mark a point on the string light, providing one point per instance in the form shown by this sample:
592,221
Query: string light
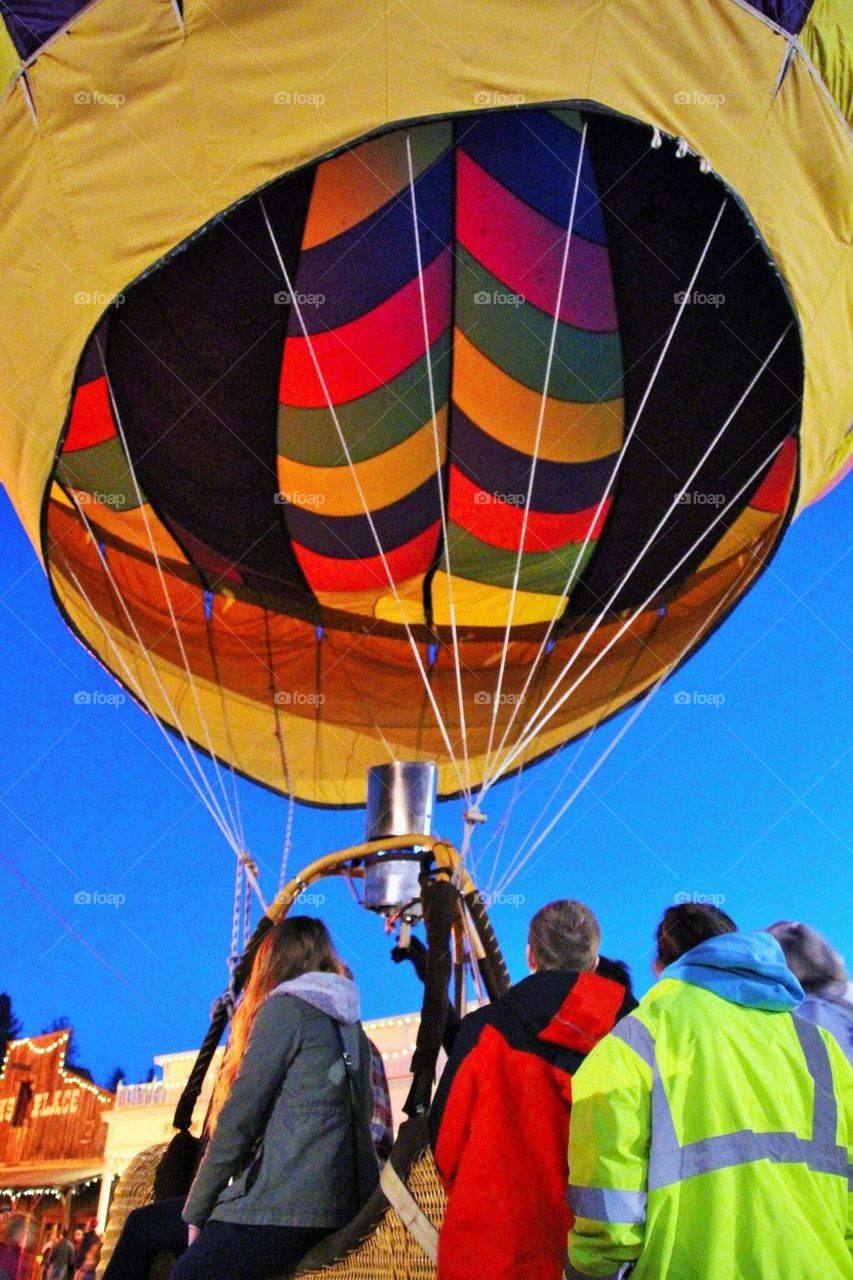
61,1043
16,1193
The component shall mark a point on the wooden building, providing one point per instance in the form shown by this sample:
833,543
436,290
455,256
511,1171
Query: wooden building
52,1138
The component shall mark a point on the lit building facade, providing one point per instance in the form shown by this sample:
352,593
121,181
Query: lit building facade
52,1137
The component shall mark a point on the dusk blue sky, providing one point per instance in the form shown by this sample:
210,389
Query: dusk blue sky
745,798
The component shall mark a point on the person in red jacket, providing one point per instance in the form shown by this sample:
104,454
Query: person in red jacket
499,1124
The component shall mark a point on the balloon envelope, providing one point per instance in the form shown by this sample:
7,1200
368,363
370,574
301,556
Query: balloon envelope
441,439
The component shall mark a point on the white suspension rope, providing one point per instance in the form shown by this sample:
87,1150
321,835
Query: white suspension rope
200,784
688,293
439,464
526,735
166,595
287,842
519,862
569,769
368,514
234,954
524,742
543,404
204,791
227,727
247,911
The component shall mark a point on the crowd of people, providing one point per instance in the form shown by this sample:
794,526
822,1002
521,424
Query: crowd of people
72,1255
702,1133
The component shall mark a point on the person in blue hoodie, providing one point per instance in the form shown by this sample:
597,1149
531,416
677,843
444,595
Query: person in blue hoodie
290,1156
712,1130
822,975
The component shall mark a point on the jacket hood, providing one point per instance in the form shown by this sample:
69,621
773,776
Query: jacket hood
330,992
573,1010
744,968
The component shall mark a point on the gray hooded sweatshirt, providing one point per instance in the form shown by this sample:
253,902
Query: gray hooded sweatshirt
285,1151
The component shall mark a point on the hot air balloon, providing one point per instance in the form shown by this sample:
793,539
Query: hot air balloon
384,386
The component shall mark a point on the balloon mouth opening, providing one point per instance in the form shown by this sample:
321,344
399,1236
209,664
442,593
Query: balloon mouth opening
520,375
265,388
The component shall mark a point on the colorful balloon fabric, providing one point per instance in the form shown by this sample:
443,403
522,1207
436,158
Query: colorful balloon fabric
416,386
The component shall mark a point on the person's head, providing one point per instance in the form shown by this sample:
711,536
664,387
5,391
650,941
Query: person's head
295,946
684,926
809,956
92,1224
616,971
78,1235
563,935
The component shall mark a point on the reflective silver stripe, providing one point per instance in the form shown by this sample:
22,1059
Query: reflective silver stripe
636,1036
825,1122
608,1205
670,1161
731,1149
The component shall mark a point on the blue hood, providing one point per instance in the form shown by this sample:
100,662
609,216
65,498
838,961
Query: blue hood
745,968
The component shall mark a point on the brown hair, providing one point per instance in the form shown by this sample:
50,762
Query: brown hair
564,935
295,946
809,956
685,926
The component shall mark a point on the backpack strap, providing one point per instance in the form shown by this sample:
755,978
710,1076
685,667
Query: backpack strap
364,1155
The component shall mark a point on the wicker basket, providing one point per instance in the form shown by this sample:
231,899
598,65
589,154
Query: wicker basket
377,1245
135,1188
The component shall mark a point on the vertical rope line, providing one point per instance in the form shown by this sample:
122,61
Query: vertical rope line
663,520
609,487
161,576
582,745
358,486
524,742
439,464
227,727
543,404
204,790
518,866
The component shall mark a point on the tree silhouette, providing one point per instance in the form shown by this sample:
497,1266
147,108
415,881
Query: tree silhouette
72,1051
118,1076
10,1026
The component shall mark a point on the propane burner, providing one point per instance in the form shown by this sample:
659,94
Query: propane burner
399,802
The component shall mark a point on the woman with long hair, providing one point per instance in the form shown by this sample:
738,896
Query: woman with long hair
289,1157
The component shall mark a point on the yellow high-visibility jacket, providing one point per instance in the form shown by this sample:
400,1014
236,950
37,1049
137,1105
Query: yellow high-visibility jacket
711,1131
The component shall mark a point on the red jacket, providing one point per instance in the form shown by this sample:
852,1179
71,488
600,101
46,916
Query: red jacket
500,1125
